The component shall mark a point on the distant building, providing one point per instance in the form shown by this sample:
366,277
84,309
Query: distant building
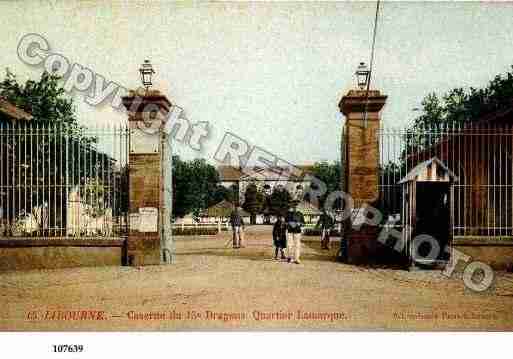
220,212
293,179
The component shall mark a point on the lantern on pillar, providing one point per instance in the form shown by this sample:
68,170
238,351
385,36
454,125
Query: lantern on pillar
146,72
362,76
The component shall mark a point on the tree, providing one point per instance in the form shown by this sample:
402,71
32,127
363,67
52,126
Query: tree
279,201
330,175
460,106
453,111
196,187
234,194
222,193
45,99
253,201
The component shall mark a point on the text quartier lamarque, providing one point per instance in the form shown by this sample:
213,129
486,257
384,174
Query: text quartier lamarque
256,315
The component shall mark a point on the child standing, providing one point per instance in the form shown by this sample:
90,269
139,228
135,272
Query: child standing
280,237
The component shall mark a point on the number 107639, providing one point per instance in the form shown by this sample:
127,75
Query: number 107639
67,348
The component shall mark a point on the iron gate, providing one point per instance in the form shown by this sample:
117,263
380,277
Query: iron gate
63,181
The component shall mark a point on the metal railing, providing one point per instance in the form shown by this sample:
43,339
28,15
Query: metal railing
63,181
479,155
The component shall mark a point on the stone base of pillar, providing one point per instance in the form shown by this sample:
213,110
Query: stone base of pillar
143,249
363,248
362,245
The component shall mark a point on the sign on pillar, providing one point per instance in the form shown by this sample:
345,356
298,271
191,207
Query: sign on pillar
147,114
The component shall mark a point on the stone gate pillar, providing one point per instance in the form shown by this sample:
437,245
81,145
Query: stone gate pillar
147,114
361,165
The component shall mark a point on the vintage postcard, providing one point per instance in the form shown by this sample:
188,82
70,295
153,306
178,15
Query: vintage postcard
256,166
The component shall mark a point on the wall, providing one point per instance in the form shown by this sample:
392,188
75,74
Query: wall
23,254
498,255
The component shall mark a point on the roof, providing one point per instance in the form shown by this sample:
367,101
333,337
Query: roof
13,112
229,173
429,171
233,174
222,209
501,114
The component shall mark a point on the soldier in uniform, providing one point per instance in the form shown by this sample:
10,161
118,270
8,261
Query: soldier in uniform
237,224
295,222
280,237
325,223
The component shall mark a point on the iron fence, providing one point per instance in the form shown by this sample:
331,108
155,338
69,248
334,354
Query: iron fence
63,181
480,156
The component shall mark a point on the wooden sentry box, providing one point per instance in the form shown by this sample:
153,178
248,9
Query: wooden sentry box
427,214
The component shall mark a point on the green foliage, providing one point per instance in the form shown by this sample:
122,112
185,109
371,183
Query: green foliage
233,196
47,102
44,99
253,200
229,194
196,187
330,175
279,201
459,105
453,110
450,112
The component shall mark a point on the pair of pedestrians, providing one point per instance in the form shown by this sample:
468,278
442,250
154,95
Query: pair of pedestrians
285,230
289,231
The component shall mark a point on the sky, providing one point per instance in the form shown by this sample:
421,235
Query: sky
271,73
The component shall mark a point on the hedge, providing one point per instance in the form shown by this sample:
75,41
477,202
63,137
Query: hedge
195,231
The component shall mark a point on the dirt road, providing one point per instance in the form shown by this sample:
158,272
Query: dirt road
214,287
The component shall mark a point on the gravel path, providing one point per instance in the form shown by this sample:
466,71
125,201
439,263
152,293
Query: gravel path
213,287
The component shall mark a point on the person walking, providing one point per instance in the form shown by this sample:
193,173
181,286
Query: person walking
325,223
237,224
280,237
295,222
